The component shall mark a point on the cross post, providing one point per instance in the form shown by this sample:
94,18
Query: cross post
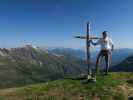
88,37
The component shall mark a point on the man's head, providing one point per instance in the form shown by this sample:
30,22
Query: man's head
105,34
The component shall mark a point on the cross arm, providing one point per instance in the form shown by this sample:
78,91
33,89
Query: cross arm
84,37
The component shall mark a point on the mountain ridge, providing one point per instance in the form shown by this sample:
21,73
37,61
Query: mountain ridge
118,55
26,65
126,65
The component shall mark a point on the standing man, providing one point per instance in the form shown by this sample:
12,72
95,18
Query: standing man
106,49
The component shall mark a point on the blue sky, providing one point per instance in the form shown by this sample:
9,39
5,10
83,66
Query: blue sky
53,23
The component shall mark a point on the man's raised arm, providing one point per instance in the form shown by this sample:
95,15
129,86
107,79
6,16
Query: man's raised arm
95,43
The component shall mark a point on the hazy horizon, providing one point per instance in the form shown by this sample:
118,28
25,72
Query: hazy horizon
97,48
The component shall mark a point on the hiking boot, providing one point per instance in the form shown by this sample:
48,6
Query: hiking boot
93,79
89,77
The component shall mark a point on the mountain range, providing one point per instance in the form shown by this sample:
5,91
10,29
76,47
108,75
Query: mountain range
118,55
27,65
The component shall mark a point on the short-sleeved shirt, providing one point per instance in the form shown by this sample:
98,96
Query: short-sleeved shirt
106,44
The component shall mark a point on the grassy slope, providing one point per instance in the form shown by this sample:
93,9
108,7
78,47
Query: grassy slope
112,87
